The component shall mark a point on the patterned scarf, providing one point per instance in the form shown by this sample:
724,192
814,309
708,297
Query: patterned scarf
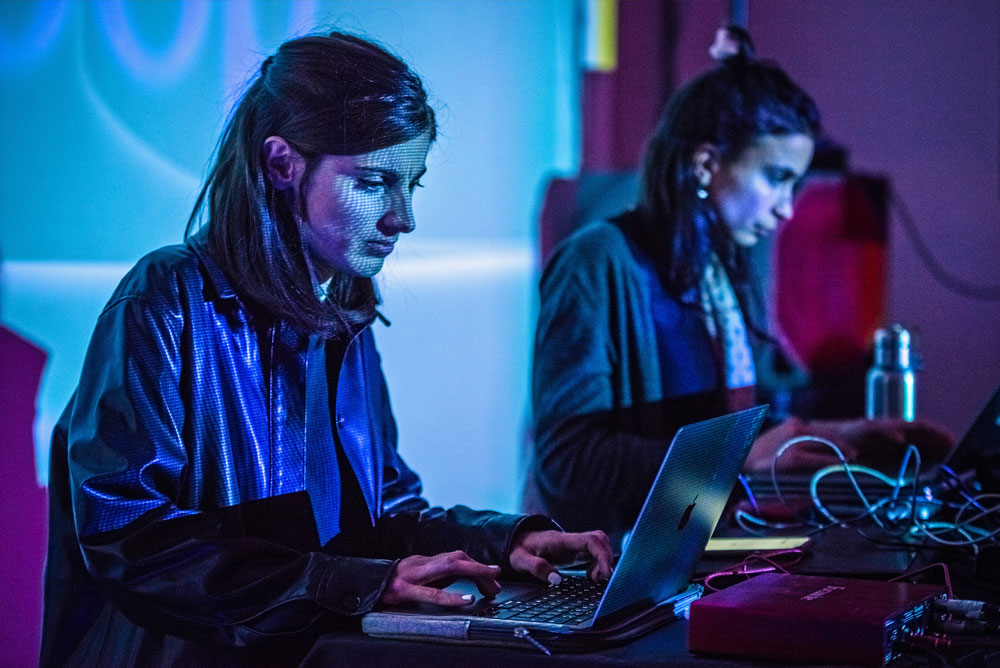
725,324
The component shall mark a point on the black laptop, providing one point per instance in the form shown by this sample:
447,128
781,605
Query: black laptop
651,581
974,459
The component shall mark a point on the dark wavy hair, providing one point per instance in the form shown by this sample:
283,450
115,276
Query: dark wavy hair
729,106
329,94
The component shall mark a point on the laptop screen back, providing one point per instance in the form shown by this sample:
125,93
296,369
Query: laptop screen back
681,511
979,448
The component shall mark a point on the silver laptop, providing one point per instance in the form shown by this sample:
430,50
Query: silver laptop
654,570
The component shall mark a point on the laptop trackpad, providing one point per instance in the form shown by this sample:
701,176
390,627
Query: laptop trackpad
510,589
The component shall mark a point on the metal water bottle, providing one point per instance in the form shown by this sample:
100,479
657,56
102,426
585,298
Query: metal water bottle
890,387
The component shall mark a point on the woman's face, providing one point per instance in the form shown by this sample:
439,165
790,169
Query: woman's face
356,206
753,193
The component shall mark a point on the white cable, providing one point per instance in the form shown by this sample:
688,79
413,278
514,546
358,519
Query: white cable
935,531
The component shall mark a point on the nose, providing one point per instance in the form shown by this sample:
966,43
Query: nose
783,210
399,218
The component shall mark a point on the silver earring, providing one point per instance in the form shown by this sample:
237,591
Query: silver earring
701,193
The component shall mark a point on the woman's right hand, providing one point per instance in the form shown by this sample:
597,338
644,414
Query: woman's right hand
880,442
420,579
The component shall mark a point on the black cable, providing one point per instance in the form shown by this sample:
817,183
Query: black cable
977,659
936,269
916,656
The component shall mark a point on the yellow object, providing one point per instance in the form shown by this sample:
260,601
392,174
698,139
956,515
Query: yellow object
600,25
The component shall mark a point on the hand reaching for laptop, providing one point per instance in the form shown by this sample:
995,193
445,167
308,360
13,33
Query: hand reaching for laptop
879,442
421,579
534,551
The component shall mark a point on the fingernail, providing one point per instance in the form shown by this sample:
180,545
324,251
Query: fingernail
494,567
554,578
467,597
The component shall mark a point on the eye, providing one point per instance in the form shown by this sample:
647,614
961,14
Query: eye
416,184
777,176
371,185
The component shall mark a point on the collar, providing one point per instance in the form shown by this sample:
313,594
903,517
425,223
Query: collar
198,242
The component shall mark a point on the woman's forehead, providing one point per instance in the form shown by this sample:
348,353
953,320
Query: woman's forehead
793,151
405,154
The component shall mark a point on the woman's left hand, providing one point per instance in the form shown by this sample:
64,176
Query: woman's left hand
534,551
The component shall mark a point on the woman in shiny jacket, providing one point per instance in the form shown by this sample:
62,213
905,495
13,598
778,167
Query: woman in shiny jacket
224,482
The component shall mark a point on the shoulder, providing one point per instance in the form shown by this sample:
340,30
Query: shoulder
596,240
596,249
165,274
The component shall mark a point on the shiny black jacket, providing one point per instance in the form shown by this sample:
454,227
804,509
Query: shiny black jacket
193,483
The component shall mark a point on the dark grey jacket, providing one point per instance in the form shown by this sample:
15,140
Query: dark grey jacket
610,386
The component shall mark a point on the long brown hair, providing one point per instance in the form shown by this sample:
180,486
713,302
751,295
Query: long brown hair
334,94
729,107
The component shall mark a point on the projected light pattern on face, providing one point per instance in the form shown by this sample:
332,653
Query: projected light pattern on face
356,206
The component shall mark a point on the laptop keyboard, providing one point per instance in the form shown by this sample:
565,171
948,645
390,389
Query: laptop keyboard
573,601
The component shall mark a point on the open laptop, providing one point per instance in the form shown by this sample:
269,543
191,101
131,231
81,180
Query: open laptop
979,449
654,570
976,456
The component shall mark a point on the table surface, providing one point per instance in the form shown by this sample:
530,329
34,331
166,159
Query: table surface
838,551
666,646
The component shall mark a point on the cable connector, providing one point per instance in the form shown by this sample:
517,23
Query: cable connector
525,634
967,609
969,627
927,640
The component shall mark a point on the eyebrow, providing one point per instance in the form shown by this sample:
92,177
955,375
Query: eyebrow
388,172
785,172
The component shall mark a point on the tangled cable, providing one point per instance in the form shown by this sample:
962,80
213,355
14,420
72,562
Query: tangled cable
906,511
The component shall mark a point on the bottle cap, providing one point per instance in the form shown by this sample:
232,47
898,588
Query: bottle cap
893,347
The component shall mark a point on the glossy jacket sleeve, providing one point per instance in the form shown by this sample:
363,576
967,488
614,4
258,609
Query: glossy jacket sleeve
168,567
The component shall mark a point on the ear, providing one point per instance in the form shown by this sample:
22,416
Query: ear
705,161
283,165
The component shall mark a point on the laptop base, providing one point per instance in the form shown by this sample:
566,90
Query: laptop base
526,635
